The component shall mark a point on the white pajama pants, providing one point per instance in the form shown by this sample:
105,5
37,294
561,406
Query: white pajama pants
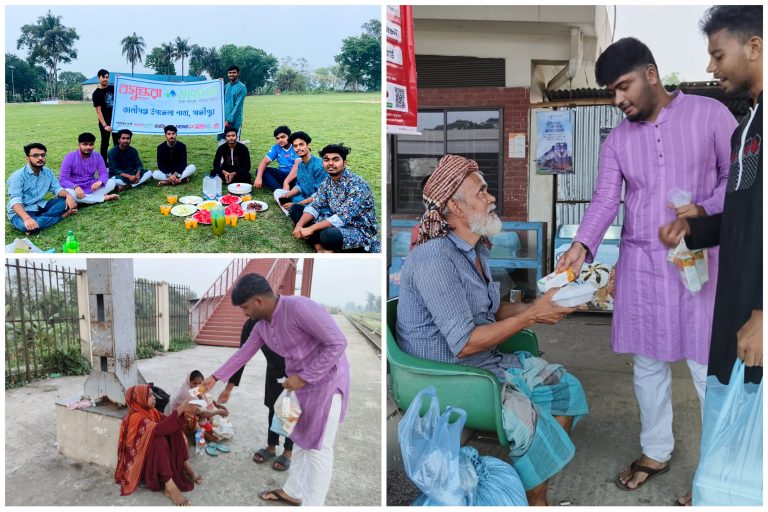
144,177
96,196
653,388
309,476
187,172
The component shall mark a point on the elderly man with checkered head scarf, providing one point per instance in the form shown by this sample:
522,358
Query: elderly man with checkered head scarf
450,310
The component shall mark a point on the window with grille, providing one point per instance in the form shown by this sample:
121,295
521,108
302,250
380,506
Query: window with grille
474,134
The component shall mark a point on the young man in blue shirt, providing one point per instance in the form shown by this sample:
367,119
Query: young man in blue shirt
27,210
308,176
287,161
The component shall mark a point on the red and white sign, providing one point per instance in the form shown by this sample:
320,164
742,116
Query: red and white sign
402,109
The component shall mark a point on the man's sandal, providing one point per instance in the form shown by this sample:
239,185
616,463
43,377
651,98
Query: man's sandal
635,468
278,496
262,456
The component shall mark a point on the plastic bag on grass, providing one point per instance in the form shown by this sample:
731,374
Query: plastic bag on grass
730,470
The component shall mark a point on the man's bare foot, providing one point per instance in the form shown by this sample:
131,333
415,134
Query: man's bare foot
111,197
224,396
67,213
175,495
635,479
162,183
191,473
686,500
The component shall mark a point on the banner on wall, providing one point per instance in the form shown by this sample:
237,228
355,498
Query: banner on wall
554,142
402,108
146,106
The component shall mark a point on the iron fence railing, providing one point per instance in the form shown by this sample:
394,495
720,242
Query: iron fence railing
147,312
41,318
178,298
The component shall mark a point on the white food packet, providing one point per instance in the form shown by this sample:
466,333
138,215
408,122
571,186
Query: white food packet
574,295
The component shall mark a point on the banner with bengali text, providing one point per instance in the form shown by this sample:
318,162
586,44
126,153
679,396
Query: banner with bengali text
402,109
147,106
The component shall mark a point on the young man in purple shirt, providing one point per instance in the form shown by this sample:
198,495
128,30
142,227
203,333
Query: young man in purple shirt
84,175
667,141
287,161
317,369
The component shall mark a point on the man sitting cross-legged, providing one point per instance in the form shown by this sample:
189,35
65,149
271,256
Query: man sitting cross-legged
84,175
342,216
286,157
232,161
124,163
172,160
450,310
308,176
28,211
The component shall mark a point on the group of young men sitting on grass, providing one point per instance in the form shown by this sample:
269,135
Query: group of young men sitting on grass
331,207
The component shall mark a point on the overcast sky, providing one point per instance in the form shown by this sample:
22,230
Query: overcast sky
335,281
672,33
314,33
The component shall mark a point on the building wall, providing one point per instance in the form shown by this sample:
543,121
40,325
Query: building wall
514,102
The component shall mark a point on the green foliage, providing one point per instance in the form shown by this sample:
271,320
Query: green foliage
160,58
70,87
360,58
257,67
179,344
49,43
66,362
147,350
134,224
26,81
672,79
134,49
289,79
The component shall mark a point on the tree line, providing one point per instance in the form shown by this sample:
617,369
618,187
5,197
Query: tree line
49,44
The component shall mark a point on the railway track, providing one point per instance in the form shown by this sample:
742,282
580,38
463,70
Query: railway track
373,337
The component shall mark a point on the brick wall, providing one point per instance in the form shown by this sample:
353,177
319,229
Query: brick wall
514,102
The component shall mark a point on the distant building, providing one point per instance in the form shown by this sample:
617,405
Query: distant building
92,83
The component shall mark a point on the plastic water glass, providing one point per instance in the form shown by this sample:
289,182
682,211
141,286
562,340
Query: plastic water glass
188,223
233,221
172,198
165,209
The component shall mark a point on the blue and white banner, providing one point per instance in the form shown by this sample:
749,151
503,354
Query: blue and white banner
146,106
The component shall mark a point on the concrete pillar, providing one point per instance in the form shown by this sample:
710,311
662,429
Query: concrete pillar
84,314
164,313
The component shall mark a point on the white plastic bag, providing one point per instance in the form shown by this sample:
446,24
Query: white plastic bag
692,265
287,413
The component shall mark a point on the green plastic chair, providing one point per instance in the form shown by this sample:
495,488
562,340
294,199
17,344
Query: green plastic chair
475,390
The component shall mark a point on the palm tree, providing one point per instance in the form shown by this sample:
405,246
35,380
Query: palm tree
196,60
133,49
168,50
181,51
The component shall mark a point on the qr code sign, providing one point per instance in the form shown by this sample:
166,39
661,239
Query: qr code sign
397,98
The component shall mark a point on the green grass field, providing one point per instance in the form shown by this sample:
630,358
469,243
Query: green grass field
134,223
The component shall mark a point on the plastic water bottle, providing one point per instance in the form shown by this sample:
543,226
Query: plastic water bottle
71,245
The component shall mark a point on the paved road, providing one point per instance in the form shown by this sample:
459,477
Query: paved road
35,474
608,438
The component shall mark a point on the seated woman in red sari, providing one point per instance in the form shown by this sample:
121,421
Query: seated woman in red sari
152,448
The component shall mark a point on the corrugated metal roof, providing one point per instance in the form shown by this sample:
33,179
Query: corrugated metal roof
146,76
738,105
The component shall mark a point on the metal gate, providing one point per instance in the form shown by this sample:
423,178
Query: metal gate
178,307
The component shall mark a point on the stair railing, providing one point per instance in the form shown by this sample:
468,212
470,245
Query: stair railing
204,308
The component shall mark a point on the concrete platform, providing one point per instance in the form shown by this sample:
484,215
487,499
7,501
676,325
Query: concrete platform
607,439
35,474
